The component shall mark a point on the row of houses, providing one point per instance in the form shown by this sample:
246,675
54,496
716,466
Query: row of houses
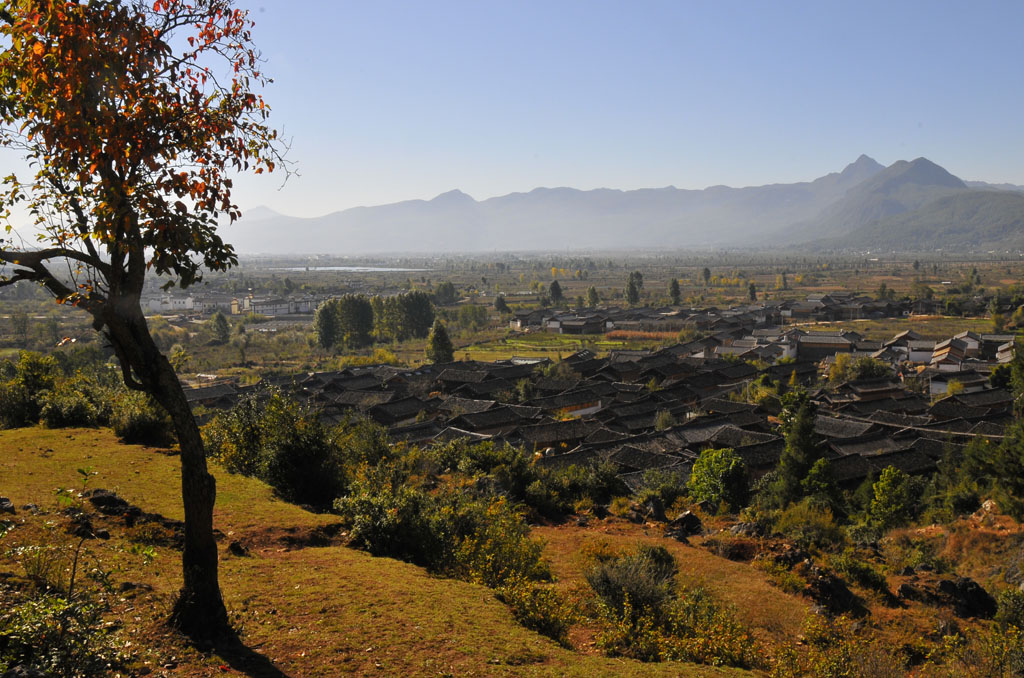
816,308
213,302
644,410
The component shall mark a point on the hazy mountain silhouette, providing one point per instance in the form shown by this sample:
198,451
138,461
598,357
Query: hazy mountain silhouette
835,206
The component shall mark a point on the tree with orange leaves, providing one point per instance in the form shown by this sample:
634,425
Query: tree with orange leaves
132,116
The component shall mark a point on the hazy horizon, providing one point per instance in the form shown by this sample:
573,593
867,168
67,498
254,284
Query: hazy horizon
394,101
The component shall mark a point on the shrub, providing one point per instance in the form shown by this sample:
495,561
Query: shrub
1011,608
647,618
668,486
476,539
620,506
499,548
137,419
781,576
635,585
286,445
719,476
66,638
700,629
858,571
389,518
809,526
18,406
901,551
539,607
65,407
303,464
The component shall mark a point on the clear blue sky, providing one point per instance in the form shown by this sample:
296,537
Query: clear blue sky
388,101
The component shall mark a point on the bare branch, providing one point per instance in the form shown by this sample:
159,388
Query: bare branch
30,259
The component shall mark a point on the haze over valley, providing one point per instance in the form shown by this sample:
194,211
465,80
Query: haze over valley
911,205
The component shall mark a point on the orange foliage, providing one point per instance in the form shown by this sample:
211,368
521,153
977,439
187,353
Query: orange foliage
635,335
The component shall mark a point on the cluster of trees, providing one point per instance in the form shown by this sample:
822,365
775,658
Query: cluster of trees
354,320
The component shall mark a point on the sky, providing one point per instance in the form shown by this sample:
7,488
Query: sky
386,101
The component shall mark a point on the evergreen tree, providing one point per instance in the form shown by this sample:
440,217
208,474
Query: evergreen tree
752,290
673,291
417,314
632,291
801,450
445,294
555,292
221,329
439,346
501,306
638,278
706,274
894,501
355,320
325,324
592,297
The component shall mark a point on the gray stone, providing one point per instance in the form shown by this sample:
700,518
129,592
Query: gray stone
685,525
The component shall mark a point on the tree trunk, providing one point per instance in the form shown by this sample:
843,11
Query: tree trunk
199,611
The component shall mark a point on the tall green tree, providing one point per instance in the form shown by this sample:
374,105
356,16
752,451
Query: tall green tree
132,115
894,500
673,291
752,291
355,320
445,294
417,313
221,328
326,326
801,449
592,297
439,345
706,274
555,292
501,306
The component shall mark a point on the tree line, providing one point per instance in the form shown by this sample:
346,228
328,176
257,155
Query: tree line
355,321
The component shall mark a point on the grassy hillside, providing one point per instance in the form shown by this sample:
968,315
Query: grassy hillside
302,610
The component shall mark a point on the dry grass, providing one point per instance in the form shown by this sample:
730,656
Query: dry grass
770,613
309,612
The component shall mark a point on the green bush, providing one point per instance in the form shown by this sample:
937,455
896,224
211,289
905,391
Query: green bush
1011,608
451,532
719,476
858,571
647,618
667,486
539,607
809,525
285,444
137,419
68,404
18,407
635,585
387,517
66,638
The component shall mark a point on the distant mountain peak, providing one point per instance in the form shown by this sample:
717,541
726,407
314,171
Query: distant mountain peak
260,212
921,171
863,165
454,195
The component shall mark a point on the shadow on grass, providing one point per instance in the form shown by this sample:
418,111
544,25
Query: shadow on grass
247,661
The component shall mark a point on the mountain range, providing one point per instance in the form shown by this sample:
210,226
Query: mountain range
910,205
